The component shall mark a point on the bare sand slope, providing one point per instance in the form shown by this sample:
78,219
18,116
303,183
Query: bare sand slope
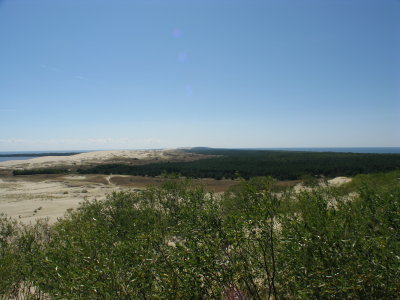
28,200
96,157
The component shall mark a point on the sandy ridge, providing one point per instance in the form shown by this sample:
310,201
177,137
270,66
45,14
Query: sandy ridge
89,158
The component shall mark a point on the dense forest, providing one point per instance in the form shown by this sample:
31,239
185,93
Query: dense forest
39,171
180,242
282,165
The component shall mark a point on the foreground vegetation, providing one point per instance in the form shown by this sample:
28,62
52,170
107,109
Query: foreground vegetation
179,242
283,165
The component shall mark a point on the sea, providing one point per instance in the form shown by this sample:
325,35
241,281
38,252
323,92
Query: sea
4,157
383,150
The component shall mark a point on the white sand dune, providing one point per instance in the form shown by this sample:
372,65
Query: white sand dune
91,158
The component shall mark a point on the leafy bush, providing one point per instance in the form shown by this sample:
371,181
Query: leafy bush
19,246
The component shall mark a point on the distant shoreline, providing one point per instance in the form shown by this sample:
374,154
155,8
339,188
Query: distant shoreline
39,154
387,150
24,155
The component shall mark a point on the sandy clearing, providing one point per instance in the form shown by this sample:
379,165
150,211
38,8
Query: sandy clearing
27,201
74,177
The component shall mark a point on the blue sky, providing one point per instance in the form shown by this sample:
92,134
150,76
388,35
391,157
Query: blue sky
95,74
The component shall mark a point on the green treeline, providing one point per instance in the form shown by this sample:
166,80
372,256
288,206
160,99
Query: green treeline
283,165
39,171
179,242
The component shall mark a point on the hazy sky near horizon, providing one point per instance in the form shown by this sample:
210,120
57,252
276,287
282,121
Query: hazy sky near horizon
96,74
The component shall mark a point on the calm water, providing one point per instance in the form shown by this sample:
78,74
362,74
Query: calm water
343,149
13,158
6,158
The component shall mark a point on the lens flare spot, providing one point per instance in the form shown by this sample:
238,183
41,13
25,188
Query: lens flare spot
182,57
177,33
189,90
